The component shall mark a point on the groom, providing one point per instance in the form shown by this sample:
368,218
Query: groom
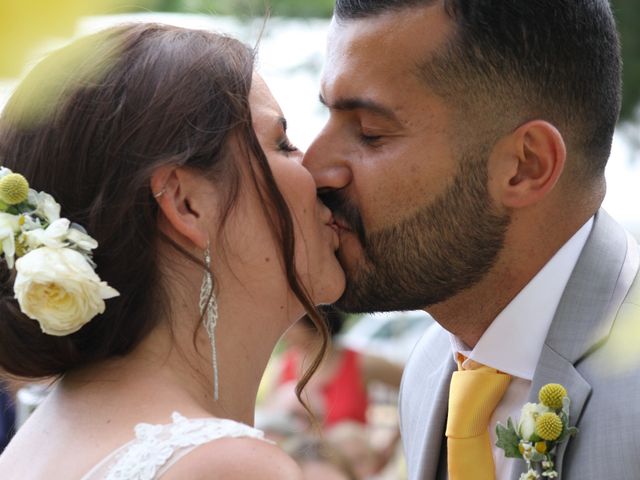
464,162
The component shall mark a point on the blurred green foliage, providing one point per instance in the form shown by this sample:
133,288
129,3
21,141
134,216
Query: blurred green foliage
628,16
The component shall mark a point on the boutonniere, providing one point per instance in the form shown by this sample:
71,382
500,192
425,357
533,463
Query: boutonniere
541,428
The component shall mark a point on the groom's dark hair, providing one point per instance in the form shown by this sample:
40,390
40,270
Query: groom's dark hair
510,61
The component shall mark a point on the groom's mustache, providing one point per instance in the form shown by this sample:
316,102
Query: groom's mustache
346,214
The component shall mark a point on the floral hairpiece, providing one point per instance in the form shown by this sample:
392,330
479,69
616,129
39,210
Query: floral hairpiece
541,428
55,280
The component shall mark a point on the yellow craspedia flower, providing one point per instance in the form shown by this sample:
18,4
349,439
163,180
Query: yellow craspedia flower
14,189
549,426
551,395
541,447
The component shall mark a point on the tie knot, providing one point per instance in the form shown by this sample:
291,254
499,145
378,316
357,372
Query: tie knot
470,364
473,396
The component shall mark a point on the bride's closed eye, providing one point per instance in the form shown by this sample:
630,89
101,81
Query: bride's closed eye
286,146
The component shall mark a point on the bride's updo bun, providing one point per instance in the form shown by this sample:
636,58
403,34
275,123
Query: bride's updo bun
89,125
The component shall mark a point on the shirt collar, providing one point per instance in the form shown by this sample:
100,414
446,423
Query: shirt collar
514,340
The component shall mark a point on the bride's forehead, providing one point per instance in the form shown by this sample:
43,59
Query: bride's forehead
261,100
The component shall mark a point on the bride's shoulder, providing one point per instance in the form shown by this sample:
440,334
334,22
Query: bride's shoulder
246,458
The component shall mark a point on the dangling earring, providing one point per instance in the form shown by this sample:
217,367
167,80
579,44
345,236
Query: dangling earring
209,305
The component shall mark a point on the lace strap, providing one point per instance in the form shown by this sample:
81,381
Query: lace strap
235,430
157,447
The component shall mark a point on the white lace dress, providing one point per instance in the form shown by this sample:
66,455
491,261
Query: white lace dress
157,447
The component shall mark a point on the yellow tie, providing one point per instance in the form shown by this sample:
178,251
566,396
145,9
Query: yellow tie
473,396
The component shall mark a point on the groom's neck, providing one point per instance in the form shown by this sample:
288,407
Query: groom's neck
528,247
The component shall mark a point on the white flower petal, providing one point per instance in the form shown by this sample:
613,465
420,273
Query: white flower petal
53,236
9,227
9,221
39,238
58,229
81,239
47,207
4,172
30,223
9,249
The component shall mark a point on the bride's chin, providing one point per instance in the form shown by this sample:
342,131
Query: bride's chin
333,289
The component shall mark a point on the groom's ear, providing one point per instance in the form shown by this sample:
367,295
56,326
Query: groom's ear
526,165
185,200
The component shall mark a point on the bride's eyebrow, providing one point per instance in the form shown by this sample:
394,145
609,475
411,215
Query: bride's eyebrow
283,122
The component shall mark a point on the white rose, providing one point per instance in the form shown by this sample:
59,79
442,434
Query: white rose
9,226
528,416
59,289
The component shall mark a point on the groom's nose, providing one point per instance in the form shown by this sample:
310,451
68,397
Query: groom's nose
326,161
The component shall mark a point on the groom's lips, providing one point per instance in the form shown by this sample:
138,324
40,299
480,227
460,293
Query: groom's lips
341,224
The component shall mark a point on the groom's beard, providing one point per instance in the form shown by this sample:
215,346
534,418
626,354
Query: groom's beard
444,248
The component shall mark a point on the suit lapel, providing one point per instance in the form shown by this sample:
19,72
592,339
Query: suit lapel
583,319
436,406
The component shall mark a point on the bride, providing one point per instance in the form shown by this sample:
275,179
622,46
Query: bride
164,146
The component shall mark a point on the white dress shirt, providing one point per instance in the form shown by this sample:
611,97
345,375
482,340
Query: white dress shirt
514,340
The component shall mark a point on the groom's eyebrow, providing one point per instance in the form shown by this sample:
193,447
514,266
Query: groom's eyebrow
349,104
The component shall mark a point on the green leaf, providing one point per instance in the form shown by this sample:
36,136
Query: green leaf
535,438
571,431
537,456
567,432
508,440
566,403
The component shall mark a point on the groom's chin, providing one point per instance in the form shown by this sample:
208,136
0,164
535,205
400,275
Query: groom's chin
356,299
348,304
369,291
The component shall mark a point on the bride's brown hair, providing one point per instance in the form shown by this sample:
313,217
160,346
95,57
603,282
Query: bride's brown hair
89,125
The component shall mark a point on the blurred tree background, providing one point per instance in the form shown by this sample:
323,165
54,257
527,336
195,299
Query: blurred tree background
628,16
627,13
23,22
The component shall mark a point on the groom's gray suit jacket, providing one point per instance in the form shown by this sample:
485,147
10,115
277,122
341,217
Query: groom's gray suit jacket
599,310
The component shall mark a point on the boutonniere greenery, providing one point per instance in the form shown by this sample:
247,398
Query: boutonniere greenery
540,429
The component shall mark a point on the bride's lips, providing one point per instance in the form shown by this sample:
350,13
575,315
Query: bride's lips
335,224
336,232
341,225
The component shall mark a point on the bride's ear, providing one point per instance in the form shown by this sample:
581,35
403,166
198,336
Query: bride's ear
185,202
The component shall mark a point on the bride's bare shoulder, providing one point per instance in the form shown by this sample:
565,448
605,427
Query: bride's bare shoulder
241,458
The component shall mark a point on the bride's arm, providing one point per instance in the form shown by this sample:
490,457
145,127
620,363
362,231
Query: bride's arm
235,458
